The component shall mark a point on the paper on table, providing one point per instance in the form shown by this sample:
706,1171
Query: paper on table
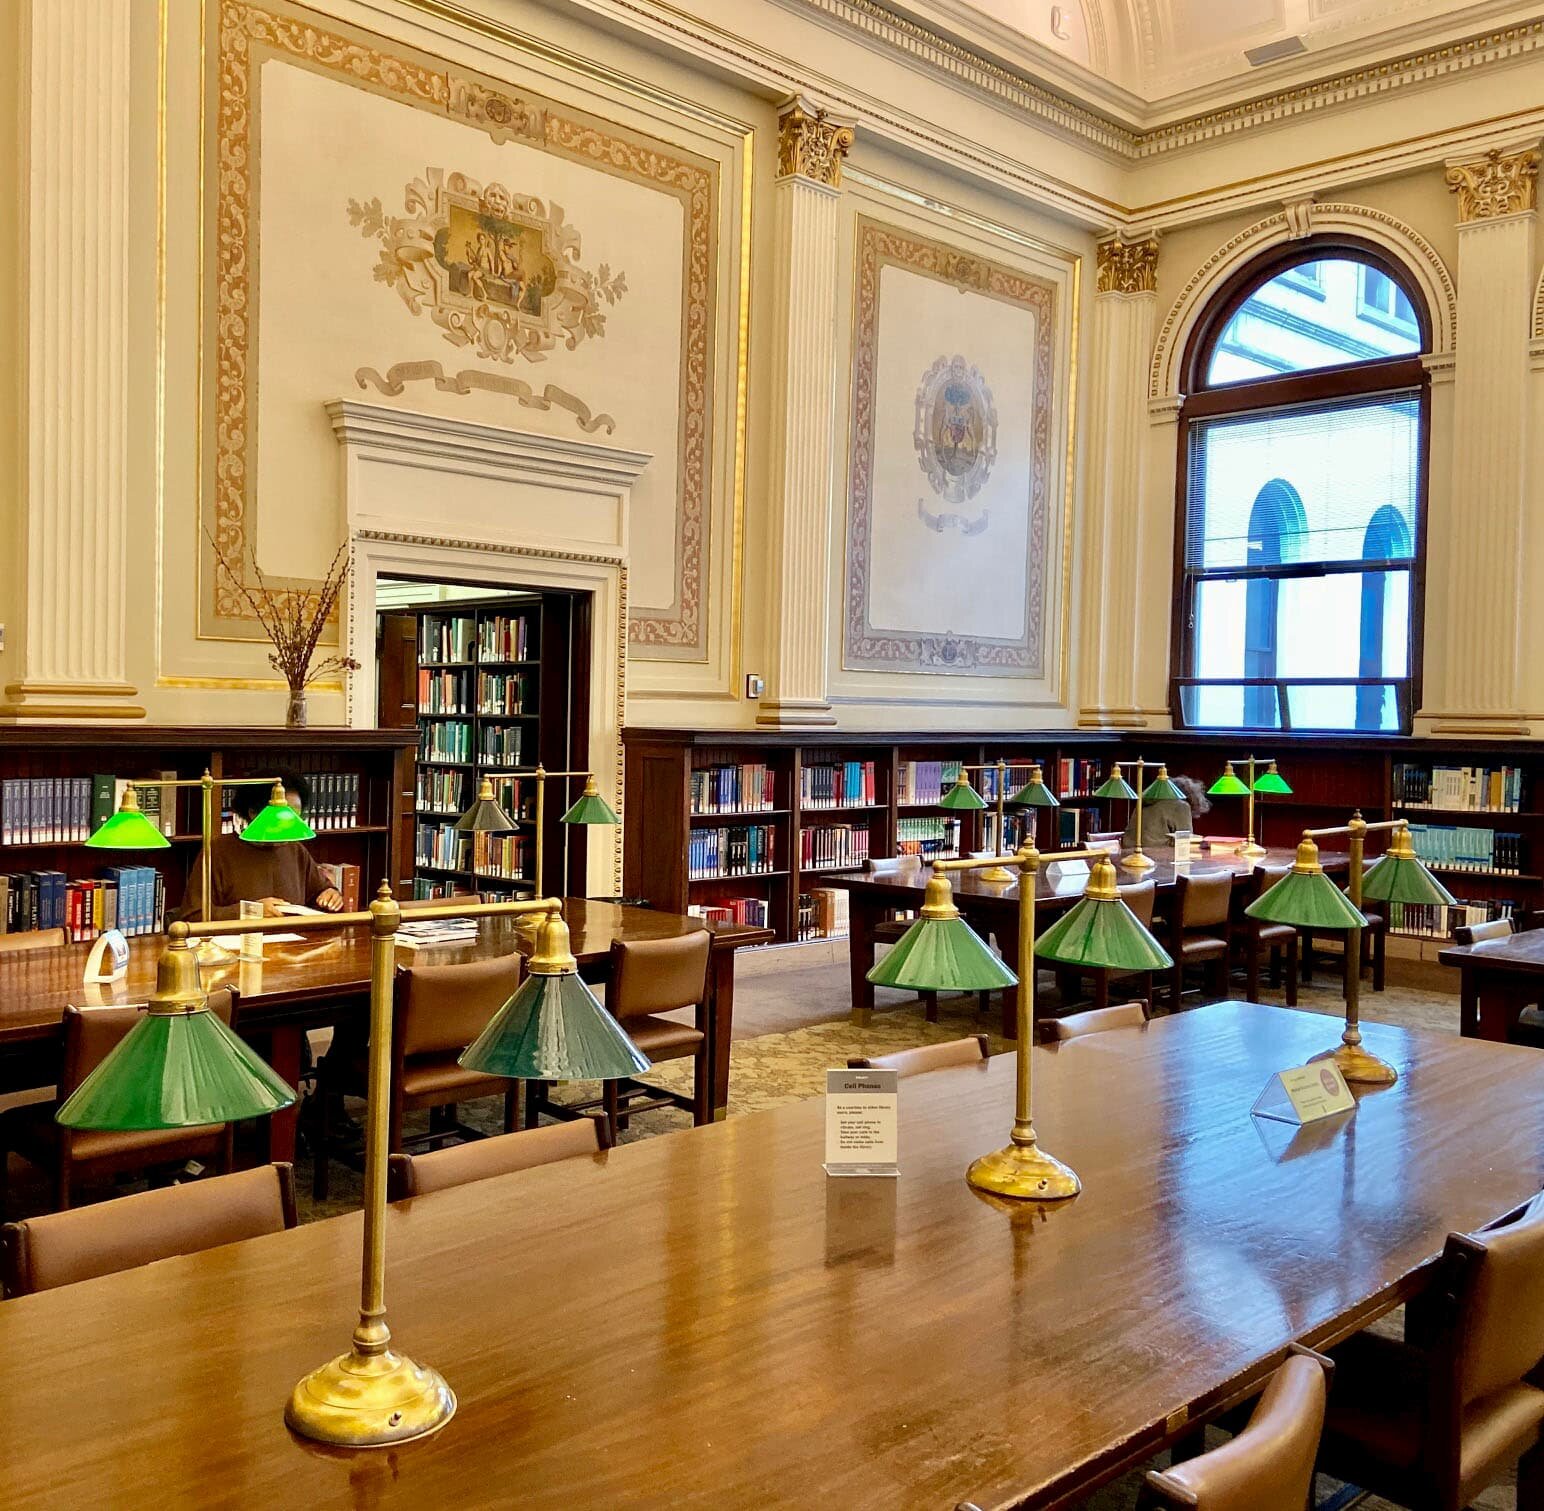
233,941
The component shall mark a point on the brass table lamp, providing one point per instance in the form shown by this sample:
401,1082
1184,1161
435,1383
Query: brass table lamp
487,816
1268,781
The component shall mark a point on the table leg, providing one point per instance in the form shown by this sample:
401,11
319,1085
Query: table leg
284,1055
720,1027
862,914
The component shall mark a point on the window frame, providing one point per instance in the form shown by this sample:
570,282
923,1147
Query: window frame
1351,380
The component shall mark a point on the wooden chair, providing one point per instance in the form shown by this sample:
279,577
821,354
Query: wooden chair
33,939
1374,945
409,1175
648,978
1430,1422
1097,1021
73,1155
1276,942
64,1247
1200,931
1268,1466
417,904
926,1057
1139,896
437,1010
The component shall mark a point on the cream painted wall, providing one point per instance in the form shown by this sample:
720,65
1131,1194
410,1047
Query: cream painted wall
950,156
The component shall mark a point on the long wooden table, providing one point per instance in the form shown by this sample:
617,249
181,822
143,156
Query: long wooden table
1498,978
705,1319
994,906
326,981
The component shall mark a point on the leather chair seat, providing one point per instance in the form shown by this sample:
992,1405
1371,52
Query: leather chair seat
1203,948
662,1039
1273,934
438,1078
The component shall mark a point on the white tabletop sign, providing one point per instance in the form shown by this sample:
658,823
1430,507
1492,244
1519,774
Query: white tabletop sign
862,1122
251,944
109,958
1182,839
1305,1094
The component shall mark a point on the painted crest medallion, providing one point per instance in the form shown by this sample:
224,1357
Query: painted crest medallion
955,435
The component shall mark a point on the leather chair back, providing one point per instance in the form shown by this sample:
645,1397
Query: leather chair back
1492,928
84,1242
658,975
33,939
93,1033
1099,1020
1204,901
926,1057
1140,896
418,1174
1501,1327
1269,1466
442,1008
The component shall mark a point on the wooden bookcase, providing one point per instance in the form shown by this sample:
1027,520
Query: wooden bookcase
486,698
380,759
1331,776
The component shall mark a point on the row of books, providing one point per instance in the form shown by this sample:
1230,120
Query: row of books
1437,921
444,692
503,856
1014,777
837,784
920,783
345,878
932,838
833,847
445,637
1016,827
444,741
334,800
499,744
441,846
46,810
1074,825
129,898
1459,847
501,694
504,637
740,850
822,914
753,911
1077,776
747,788
1477,789
441,791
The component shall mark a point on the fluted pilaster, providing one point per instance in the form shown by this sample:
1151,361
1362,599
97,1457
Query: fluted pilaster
1472,680
75,168
807,201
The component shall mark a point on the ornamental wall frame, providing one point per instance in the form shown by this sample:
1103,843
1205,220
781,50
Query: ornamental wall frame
228,389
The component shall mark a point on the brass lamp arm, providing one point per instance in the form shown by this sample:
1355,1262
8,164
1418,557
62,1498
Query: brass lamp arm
1358,827
1026,858
550,907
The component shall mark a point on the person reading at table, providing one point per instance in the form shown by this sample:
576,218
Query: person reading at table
270,874
1162,819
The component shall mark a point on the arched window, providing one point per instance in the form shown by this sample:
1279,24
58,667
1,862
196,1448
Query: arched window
1302,496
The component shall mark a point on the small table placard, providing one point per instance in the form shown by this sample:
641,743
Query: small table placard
1305,1094
1183,839
251,944
862,1122
109,958
1055,870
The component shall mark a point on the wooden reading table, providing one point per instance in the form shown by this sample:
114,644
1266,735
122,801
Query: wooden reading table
1498,978
705,1319
326,980
994,906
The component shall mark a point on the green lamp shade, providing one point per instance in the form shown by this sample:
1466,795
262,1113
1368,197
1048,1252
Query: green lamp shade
176,1070
1402,878
277,824
1272,780
128,829
961,795
485,816
1307,900
592,808
1228,784
554,1029
942,955
1035,794
1117,786
1161,790
1103,933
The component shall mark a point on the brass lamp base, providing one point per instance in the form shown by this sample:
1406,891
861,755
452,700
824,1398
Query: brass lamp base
1024,1171
210,953
1249,847
370,1401
996,873
1359,1067
1138,860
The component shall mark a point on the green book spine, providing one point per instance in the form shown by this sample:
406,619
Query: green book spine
103,799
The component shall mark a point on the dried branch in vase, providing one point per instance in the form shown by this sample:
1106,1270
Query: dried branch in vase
293,618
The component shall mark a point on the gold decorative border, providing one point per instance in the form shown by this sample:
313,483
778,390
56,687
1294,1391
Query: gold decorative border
244,30
865,647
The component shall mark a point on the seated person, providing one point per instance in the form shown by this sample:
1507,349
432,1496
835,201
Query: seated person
1162,819
269,874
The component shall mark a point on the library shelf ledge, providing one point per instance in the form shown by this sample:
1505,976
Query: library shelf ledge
1401,809
1484,875
737,876
843,807
738,815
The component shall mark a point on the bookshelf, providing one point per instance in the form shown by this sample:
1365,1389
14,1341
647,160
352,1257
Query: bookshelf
56,781
669,774
490,685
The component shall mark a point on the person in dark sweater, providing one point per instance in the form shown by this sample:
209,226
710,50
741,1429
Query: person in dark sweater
269,874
